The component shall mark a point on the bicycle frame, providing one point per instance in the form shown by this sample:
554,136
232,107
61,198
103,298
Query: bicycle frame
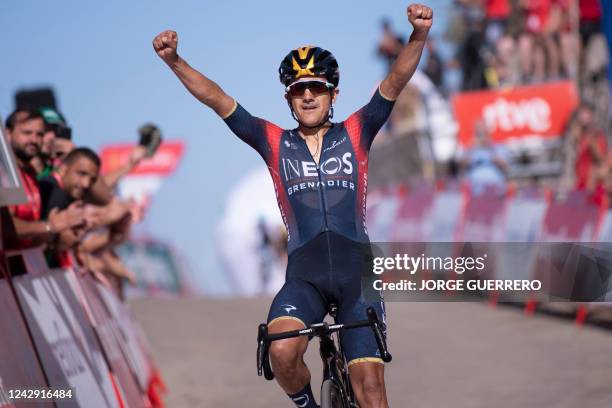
334,366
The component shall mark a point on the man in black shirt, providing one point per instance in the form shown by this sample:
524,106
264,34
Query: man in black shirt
72,181
66,188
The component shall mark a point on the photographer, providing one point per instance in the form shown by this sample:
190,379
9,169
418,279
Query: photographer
57,135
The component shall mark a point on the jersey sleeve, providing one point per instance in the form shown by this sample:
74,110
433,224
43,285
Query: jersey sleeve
370,118
250,129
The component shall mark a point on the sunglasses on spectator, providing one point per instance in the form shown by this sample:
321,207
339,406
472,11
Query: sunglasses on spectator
297,89
58,155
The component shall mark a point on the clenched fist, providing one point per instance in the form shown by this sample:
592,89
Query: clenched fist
420,16
165,45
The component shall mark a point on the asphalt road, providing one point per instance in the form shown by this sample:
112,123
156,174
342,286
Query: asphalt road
460,355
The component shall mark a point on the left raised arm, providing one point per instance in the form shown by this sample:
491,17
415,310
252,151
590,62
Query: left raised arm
421,18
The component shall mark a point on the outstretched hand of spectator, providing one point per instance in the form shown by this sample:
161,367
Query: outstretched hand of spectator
137,155
165,45
420,16
73,216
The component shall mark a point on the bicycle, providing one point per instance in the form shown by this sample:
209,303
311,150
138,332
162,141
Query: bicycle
336,390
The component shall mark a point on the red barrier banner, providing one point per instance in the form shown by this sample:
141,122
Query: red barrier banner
381,217
411,219
524,217
109,336
605,234
68,347
483,218
571,220
32,259
136,357
19,367
540,111
446,213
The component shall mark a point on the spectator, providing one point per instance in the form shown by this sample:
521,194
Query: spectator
485,163
594,57
72,181
503,64
55,129
25,130
61,148
602,181
433,65
499,48
96,250
568,37
106,227
590,20
591,148
470,53
69,184
497,12
538,48
390,44
111,220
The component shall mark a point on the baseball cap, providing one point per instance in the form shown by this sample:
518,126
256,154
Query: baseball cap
52,116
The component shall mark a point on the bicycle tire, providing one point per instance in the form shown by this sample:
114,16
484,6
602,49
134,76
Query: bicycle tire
332,395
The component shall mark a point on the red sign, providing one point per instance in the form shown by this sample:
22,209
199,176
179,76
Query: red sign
527,111
163,162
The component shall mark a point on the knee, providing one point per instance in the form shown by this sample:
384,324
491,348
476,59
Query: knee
372,392
285,355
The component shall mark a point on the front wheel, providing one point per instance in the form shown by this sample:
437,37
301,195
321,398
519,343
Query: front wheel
332,396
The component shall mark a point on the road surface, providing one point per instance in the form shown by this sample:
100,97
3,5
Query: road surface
460,355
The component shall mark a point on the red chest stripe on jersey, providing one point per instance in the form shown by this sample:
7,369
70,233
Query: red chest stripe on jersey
354,129
273,137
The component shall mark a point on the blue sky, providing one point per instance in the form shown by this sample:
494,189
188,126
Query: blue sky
98,57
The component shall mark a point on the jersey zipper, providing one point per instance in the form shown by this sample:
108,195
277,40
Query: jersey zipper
322,198
323,201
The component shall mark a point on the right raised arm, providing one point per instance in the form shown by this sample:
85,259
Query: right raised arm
205,90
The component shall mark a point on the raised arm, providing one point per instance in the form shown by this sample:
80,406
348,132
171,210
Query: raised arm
421,18
205,90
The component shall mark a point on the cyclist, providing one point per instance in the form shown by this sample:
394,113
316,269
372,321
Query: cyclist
319,171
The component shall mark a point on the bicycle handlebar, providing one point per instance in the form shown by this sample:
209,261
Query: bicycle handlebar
318,329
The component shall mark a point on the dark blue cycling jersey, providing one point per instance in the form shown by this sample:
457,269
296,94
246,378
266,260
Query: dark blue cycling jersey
324,209
315,198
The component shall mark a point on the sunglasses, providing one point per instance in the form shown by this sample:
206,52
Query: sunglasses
57,155
297,89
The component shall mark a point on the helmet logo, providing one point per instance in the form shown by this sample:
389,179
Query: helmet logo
303,71
303,52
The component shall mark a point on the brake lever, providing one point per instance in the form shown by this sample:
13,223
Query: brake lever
262,333
380,340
